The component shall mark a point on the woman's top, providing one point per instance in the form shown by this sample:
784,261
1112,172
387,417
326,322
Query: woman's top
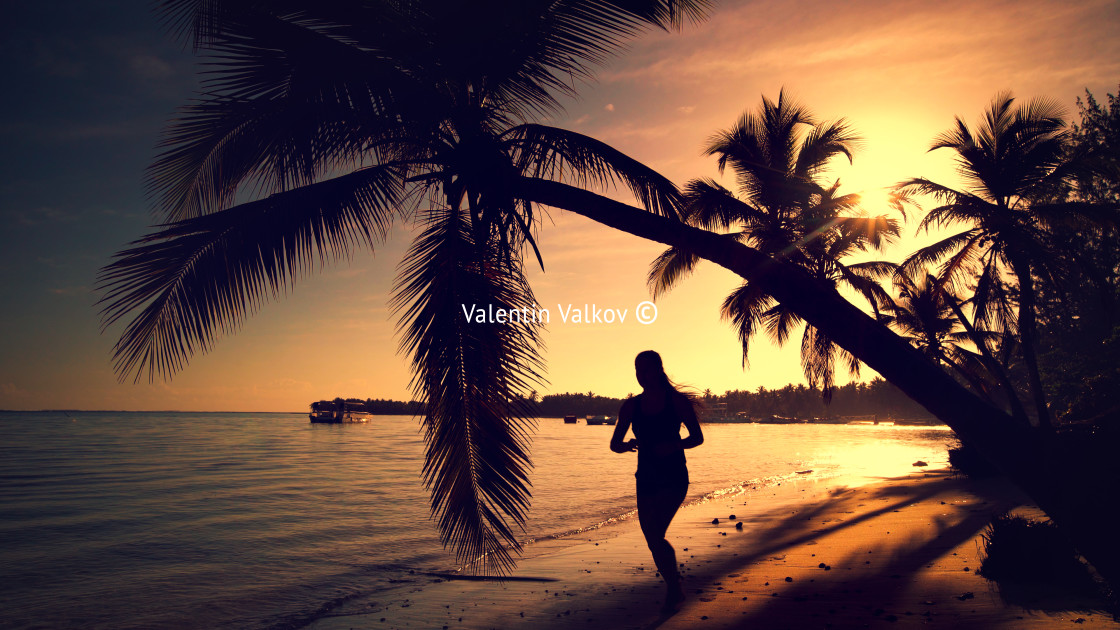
652,429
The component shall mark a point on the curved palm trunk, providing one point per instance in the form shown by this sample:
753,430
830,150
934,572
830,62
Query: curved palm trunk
817,302
1024,458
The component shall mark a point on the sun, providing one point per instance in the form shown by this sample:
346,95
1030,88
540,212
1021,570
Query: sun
877,200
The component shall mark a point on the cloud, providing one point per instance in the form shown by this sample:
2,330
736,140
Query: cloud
150,67
11,391
581,119
609,107
66,291
41,215
686,109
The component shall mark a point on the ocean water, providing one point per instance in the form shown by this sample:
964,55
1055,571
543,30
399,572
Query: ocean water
242,520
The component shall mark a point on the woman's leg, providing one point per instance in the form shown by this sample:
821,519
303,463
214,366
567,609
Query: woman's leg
656,508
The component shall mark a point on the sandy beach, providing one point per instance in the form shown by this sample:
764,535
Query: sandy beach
810,554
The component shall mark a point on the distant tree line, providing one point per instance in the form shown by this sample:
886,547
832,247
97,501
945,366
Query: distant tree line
877,398
381,407
567,404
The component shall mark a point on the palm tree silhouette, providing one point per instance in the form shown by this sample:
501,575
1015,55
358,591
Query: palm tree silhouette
348,117
777,155
319,126
1013,169
930,316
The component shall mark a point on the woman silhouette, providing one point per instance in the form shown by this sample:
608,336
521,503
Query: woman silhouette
656,416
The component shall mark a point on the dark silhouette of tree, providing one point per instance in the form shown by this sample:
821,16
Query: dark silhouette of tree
1095,139
922,314
931,317
1013,165
778,155
337,120
1079,319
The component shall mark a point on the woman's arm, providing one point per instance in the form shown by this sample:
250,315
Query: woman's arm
618,444
688,416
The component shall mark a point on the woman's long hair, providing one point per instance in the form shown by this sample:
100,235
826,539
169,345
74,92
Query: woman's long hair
653,359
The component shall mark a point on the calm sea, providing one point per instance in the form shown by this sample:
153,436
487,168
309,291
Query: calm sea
223,520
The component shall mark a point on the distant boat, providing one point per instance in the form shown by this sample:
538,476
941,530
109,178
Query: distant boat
718,413
919,422
569,419
829,420
601,419
339,414
781,420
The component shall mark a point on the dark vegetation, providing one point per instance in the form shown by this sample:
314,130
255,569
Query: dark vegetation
877,398
967,461
1020,551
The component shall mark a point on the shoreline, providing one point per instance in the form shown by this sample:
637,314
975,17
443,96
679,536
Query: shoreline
902,549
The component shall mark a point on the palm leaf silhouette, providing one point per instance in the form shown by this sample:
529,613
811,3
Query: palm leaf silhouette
777,154
318,125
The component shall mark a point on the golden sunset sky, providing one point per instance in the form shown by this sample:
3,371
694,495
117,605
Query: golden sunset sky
897,71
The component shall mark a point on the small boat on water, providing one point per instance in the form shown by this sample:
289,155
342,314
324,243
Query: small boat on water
776,419
917,422
339,417
569,419
337,414
828,420
719,413
601,420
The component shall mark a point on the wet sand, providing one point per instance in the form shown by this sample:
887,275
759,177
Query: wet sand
900,551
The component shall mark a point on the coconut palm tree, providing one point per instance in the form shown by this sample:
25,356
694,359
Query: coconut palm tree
1012,168
930,316
778,154
319,126
922,315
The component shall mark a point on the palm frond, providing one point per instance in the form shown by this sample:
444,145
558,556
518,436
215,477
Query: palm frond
957,269
745,308
862,279
874,269
199,278
524,52
821,144
780,322
818,359
559,154
712,207
761,149
669,268
950,198
287,100
876,232
932,254
475,377
830,204
992,300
